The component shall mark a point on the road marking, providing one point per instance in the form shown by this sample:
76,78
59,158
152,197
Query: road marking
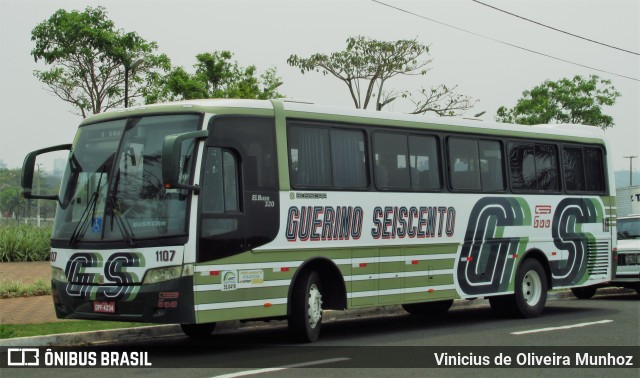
561,327
270,370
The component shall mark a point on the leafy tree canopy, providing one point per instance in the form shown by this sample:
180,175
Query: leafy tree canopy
87,58
366,65
576,100
216,75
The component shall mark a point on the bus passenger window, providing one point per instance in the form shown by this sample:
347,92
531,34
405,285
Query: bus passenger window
424,164
491,170
534,167
391,168
464,164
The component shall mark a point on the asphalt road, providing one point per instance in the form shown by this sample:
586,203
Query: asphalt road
604,328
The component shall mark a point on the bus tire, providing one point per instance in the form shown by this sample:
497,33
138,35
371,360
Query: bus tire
428,309
305,319
530,293
584,292
530,289
198,331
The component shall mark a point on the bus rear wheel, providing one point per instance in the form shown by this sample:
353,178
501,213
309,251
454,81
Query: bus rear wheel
198,331
428,309
531,289
530,292
305,319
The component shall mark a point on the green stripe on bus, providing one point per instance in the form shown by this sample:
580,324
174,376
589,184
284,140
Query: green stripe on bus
208,316
205,297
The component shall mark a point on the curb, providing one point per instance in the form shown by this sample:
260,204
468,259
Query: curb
149,332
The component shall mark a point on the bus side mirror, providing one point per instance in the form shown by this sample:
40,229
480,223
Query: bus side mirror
28,168
173,160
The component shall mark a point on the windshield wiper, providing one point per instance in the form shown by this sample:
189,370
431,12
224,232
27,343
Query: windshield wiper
81,227
123,224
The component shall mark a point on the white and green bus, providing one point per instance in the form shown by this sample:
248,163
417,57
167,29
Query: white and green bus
211,210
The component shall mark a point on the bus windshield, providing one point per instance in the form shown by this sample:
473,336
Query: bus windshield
112,187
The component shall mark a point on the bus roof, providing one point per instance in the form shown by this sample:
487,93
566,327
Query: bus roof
305,109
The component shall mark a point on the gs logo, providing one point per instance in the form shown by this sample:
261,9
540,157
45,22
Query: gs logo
84,283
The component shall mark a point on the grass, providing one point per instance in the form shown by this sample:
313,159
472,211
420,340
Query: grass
21,242
13,289
8,331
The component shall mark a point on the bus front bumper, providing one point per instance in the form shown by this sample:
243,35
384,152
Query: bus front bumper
164,302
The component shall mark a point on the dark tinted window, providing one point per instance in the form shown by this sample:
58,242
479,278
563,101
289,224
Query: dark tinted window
594,168
583,169
573,163
534,167
254,140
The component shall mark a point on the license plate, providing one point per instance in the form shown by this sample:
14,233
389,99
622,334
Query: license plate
105,307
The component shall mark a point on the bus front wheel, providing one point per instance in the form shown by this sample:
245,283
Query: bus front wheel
198,331
305,319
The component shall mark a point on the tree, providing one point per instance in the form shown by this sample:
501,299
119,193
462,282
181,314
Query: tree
11,200
88,58
216,75
367,65
576,100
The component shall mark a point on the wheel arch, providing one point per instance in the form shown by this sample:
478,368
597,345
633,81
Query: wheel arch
334,295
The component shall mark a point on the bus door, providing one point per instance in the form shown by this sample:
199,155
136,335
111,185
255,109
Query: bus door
239,196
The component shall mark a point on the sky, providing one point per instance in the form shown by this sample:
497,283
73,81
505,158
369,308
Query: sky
266,32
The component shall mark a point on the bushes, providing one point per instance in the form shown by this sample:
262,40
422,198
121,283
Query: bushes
13,289
20,242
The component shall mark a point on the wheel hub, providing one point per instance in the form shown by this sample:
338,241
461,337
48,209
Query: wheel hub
315,306
532,288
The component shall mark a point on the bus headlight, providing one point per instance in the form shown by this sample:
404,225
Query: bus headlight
57,274
166,273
